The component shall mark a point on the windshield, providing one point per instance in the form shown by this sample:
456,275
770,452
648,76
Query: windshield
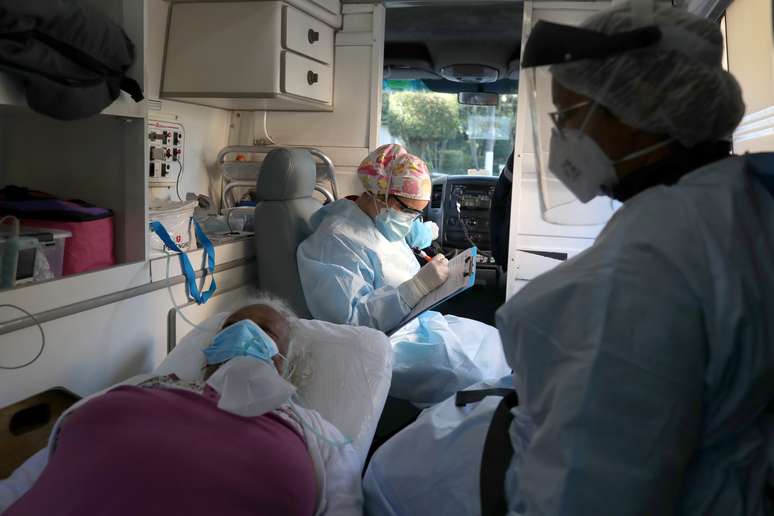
451,138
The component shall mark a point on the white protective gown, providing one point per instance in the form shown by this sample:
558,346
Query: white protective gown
647,362
441,449
350,274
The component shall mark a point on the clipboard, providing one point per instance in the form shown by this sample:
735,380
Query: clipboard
462,276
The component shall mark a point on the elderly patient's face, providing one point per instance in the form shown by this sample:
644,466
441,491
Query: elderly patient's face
271,321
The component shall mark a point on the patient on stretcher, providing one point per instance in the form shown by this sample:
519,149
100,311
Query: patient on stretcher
233,443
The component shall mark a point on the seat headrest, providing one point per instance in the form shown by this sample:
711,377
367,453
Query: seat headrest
286,174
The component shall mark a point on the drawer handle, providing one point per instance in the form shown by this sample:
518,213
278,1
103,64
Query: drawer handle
313,36
312,77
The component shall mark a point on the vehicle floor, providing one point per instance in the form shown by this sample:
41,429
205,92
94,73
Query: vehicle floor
479,302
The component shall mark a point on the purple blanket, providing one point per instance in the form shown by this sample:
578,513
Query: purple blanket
165,452
52,209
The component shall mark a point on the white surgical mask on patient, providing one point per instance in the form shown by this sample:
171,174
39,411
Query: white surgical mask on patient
250,387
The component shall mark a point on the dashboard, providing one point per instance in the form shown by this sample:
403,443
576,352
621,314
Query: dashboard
460,207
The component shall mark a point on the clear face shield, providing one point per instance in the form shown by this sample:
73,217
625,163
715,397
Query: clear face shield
557,146
558,203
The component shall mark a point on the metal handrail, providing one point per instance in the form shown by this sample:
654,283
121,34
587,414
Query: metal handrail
330,169
328,196
230,186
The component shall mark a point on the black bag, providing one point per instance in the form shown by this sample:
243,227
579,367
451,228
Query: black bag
500,215
72,59
762,165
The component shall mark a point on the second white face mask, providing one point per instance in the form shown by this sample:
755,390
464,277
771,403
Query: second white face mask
580,164
250,387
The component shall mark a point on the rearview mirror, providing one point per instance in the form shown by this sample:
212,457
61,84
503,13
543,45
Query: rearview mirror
478,99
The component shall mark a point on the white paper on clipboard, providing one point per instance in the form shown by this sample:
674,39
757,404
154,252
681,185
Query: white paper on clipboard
462,276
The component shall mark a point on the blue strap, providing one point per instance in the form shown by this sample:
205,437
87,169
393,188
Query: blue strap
185,263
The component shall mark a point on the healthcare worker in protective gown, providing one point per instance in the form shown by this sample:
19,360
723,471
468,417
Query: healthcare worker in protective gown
645,365
647,362
358,268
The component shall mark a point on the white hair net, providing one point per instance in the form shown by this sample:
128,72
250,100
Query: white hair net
676,87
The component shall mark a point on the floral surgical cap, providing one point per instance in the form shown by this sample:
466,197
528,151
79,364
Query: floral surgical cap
391,170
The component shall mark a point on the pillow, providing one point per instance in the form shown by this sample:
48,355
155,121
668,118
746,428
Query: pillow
186,360
348,371
351,369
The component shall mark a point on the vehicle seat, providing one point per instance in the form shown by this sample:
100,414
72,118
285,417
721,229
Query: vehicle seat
284,207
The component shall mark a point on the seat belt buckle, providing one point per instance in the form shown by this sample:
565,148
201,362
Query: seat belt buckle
464,398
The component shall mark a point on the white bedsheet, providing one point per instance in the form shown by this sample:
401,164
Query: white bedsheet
14,487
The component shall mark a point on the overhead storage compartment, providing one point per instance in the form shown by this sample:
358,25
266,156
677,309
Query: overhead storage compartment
248,55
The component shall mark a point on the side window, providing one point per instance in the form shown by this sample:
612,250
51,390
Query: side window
747,27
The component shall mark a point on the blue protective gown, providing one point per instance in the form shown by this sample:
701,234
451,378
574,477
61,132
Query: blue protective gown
647,362
350,274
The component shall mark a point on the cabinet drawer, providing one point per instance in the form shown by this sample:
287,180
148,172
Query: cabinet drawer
306,78
307,36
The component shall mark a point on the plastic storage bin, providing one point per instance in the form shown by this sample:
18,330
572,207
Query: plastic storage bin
53,243
176,218
91,245
48,241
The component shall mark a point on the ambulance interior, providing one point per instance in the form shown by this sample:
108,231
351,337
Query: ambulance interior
225,83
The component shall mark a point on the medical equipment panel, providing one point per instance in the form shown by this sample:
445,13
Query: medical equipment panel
165,152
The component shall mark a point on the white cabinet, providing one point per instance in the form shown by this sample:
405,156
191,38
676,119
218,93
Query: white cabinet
248,55
332,6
